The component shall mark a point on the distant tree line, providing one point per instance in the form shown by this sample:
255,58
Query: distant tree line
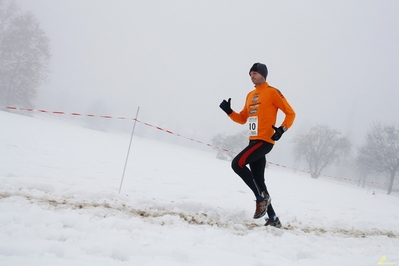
323,146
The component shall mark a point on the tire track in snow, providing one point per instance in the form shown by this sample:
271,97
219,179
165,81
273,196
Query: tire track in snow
113,207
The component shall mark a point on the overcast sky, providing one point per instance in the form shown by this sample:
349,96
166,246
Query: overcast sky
337,62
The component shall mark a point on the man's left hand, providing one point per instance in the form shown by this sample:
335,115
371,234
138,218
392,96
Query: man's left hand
279,132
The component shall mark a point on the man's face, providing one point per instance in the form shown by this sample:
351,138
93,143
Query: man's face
257,78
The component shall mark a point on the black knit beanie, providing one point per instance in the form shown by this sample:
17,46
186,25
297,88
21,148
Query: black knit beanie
260,68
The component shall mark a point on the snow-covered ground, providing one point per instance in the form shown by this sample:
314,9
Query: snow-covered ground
59,205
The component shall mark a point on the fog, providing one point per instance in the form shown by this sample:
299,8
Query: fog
336,62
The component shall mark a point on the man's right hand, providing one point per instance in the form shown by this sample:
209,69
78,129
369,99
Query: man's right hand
226,106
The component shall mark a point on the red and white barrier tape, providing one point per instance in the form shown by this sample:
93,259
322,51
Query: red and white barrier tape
176,134
111,117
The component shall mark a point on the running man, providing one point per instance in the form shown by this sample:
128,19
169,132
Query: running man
260,111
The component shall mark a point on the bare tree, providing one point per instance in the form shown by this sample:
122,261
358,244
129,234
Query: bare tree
381,151
229,146
320,147
24,55
364,163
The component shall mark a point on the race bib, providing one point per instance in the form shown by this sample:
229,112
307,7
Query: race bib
253,125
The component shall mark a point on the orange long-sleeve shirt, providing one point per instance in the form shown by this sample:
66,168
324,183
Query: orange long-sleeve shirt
260,111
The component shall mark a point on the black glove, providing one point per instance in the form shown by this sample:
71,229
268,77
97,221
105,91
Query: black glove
279,132
226,106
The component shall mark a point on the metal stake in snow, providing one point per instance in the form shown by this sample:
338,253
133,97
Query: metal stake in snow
128,151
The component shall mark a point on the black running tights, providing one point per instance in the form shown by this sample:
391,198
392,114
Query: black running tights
254,155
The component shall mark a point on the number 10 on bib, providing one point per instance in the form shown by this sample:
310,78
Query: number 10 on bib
253,125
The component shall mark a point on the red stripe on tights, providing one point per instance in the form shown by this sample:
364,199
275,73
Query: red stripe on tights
241,162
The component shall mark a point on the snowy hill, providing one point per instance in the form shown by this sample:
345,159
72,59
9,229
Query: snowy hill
60,205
